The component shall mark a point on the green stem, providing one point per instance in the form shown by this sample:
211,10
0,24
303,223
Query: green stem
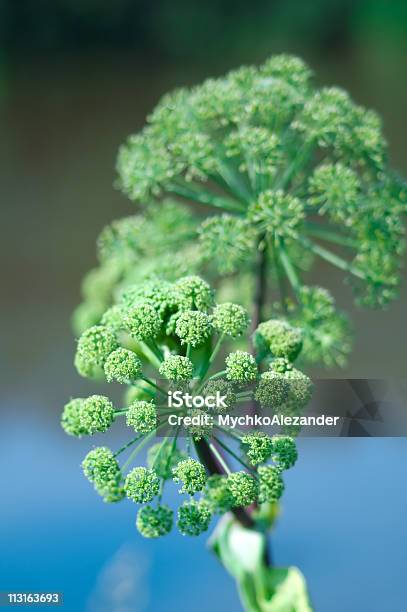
211,359
123,448
219,457
319,231
149,354
332,258
205,197
150,382
147,438
233,454
289,268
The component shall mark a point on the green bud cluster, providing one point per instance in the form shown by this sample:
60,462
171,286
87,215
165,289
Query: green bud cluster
192,474
193,518
227,242
230,319
193,327
142,321
141,485
271,485
272,389
192,292
241,367
243,487
280,338
154,522
102,469
142,416
95,345
123,366
96,414
71,418
258,447
284,451
177,367
277,213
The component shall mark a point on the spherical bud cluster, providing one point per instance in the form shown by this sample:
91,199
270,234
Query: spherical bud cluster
163,458
97,414
280,338
193,518
227,241
284,451
300,387
141,485
102,469
142,416
154,522
277,212
95,345
271,390
243,487
217,494
177,367
192,292
281,365
100,466
123,366
142,321
225,390
193,327
71,418
258,447
241,367
230,319
271,485
86,369
192,474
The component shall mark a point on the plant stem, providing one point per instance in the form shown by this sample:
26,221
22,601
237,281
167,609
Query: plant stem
260,288
150,382
214,467
289,268
332,258
234,455
319,231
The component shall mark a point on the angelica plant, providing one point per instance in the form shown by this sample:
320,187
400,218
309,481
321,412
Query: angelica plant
246,180
218,470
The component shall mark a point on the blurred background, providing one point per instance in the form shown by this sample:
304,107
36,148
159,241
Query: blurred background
76,77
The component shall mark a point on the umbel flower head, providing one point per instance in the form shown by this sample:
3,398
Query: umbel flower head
177,367
291,173
97,414
188,356
142,416
192,474
122,365
154,522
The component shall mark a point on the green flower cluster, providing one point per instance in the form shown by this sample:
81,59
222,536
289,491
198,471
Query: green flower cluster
292,173
138,347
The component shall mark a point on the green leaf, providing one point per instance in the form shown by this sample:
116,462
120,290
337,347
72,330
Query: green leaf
261,588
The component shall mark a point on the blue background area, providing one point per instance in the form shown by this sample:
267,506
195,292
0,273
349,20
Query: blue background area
343,524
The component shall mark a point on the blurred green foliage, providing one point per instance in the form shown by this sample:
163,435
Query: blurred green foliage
208,31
